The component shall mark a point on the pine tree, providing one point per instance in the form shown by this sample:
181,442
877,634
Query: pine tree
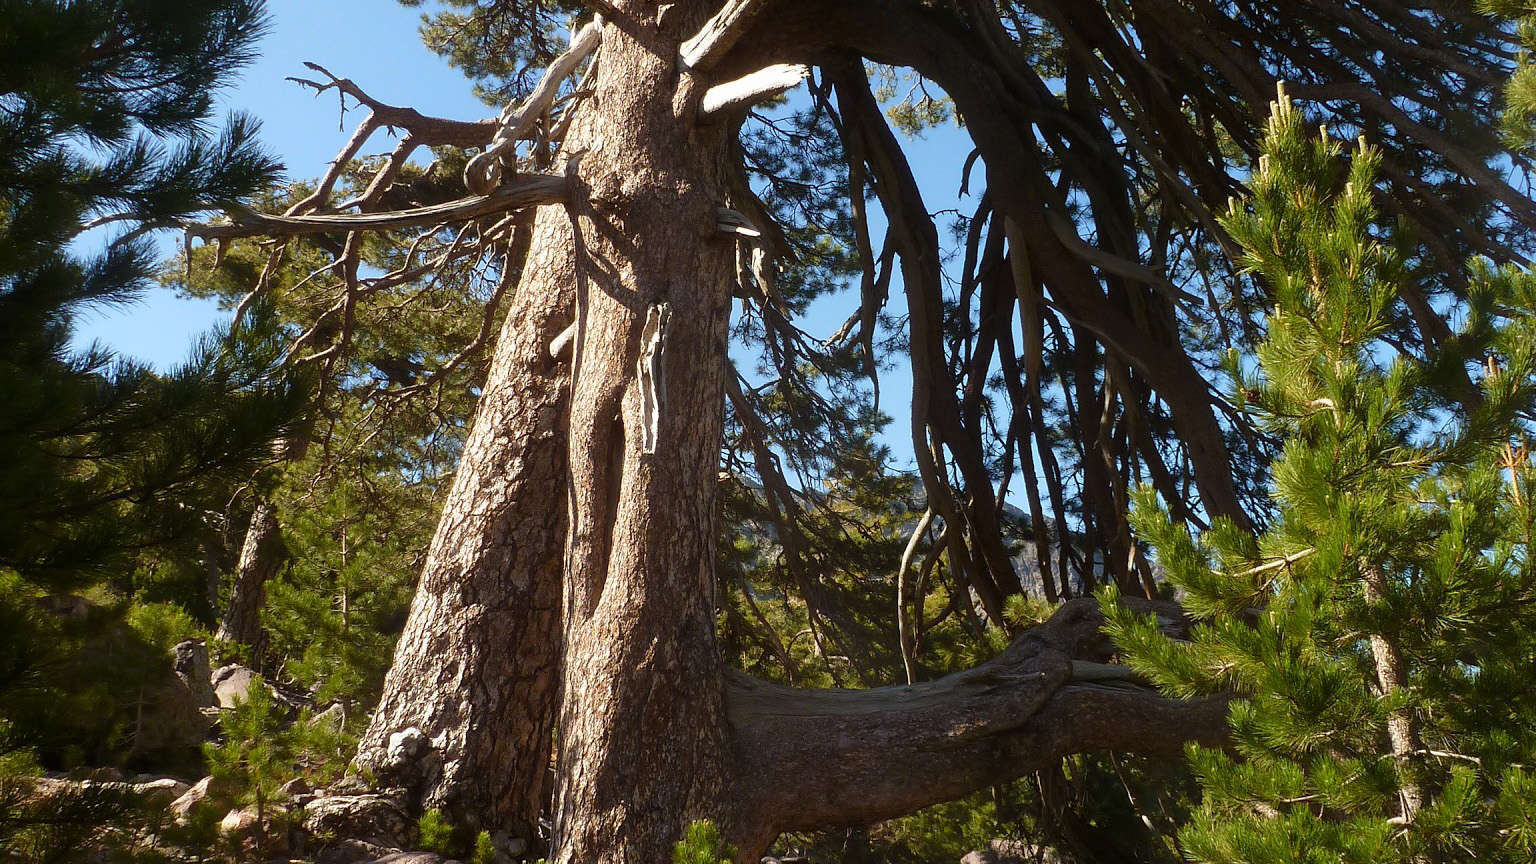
104,127
1376,641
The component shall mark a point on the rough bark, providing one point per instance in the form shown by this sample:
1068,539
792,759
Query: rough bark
814,758
477,665
642,743
261,555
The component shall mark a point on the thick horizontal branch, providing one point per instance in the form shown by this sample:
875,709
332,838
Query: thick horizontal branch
811,758
528,191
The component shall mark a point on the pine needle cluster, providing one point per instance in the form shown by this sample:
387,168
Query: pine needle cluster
1377,639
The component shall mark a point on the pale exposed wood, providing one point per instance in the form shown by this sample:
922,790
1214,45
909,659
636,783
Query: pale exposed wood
528,191
903,624
724,99
562,343
720,34
482,173
651,374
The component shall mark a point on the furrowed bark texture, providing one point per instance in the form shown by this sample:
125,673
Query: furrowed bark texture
477,666
642,741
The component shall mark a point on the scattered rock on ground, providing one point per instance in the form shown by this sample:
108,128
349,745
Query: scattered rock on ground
373,818
415,858
509,847
71,607
352,852
332,717
1013,852
238,823
182,806
154,793
244,828
160,792
106,774
171,727
232,684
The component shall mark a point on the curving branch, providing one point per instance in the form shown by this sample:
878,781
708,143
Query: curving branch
719,34
483,173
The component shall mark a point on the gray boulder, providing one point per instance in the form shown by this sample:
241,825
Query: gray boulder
375,819
232,684
193,670
182,806
415,858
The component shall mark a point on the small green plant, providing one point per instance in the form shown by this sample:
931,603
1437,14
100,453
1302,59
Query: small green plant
485,850
1375,641
702,844
254,758
435,834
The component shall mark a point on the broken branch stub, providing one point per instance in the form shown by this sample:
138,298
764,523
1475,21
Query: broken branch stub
728,221
722,100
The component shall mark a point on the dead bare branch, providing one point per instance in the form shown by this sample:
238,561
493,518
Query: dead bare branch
529,191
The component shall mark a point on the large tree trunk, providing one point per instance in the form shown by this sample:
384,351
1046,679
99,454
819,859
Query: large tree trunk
651,735
477,666
643,741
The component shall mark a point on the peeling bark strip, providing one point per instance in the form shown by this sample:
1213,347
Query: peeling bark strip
651,374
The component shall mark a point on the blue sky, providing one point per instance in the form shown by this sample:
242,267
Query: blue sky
373,42
376,43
